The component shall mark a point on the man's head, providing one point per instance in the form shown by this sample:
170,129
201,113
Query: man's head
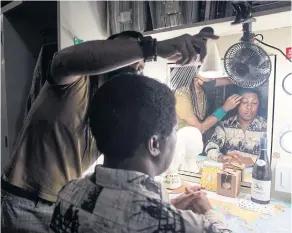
132,118
248,107
129,35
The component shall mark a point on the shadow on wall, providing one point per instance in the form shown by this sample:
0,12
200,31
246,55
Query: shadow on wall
99,11
85,20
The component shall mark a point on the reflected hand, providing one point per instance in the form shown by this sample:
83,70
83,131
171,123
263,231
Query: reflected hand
231,102
235,156
247,161
232,156
184,49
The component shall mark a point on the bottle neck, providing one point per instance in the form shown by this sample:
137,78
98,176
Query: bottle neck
263,149
263,154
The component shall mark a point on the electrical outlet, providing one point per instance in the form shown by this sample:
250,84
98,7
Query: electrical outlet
283,177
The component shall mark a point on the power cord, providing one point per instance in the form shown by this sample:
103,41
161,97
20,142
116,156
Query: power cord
261,41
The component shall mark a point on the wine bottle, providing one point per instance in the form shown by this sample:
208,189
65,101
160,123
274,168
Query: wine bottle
261,176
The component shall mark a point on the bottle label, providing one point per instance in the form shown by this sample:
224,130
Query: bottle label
261,190
261,162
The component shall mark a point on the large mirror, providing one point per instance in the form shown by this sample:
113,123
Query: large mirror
238,132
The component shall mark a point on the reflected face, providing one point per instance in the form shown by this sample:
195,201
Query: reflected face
248,107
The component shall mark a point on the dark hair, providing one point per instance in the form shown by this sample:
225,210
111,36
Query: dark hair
126,111
126,34
242,91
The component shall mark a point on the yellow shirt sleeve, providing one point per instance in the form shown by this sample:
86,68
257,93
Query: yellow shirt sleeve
184,108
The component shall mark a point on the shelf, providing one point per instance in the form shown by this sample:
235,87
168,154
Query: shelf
266,20
10,6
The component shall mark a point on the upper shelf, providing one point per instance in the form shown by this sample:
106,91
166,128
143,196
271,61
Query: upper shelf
265,20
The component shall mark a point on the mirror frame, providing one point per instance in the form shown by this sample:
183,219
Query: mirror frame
195,177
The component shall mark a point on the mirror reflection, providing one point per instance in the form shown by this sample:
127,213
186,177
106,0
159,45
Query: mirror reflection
219,122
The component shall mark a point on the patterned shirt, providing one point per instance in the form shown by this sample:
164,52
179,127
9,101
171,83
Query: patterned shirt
112,200
229,136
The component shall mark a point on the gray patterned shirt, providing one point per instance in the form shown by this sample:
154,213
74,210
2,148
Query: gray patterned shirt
229,136
112,201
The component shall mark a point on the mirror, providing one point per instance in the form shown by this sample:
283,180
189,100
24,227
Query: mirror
237,133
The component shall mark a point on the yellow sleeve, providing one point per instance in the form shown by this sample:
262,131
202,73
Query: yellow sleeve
184,108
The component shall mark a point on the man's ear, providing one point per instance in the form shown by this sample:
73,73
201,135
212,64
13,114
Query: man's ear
154,145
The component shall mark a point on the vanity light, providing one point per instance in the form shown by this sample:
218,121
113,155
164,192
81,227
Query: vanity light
212,65
287,84
286,141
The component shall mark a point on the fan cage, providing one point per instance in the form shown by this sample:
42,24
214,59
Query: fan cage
247,64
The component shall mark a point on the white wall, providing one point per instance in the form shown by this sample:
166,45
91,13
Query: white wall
83,19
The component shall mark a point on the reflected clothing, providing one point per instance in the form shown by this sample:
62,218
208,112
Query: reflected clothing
229,136
188,104
55,144
114,201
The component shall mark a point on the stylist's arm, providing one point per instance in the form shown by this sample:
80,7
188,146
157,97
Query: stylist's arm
100,56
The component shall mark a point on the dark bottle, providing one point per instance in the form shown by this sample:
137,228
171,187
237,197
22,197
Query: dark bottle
261,176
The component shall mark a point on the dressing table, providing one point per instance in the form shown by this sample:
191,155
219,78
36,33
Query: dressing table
242,221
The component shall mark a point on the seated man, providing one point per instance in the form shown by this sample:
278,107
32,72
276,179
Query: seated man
239,136
133,121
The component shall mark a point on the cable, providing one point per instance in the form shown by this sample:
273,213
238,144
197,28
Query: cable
260,41
260,36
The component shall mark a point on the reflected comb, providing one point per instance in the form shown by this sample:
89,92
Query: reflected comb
182,75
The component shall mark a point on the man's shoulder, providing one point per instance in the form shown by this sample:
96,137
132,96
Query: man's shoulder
121,209
261,120
182,92
55,99
122,204
260,124
75,188
83,81
57,94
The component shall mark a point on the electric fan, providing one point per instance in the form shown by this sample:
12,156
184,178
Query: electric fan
247,64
